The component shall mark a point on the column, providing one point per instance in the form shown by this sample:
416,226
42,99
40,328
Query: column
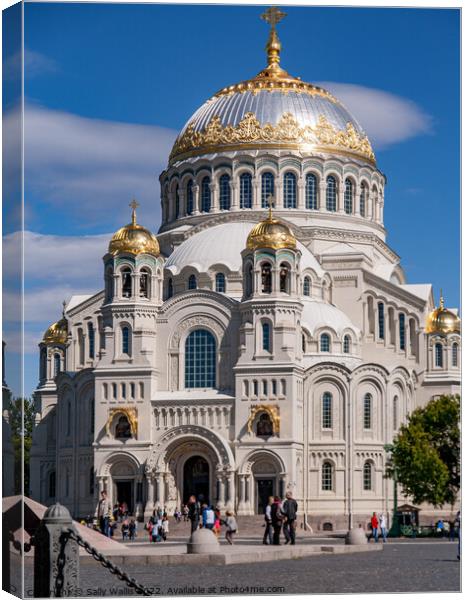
387,333
150,497
301,194
182,203
340,197
282,486
214,197
370,205
170,207
407,337
196,200
116,285
278,195
256,190
234,195
221,488
322,196
231,490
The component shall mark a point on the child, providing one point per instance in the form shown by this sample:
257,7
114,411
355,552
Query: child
231,524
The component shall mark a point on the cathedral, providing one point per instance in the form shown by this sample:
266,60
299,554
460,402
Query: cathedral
265,341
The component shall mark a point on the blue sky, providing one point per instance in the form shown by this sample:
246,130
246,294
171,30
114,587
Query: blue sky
108,87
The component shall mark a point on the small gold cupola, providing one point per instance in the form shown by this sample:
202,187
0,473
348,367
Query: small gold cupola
271,233
442,320
133,238
57,333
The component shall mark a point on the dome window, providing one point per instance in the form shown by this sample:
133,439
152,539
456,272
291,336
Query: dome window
455,354
311,198
206,195
401,331
220,283
438,355
246,191
43,364
126,342
267,188
348,197
177,203
363,199
126,283
284,278
307,286
266,330
290,190
56,364
381,320
192,283
266,278
144,279
325,342
189,197
224,192
331,194
346,344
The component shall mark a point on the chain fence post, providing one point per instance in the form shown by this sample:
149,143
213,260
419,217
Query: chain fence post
56,555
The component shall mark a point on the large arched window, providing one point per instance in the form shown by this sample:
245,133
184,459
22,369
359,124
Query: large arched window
367,411
331,193
455,354
56,364
284,278
311,199
126,282
381,320
327,411
224,192
367,476
200,360
189,197
91,340
325,342
267,188
327,477
290,190
266,331
177,203
220,283
401,331
206,195
192,283
266,278
126,342
346,344
348,197
246,191
307,286
363,199
438,355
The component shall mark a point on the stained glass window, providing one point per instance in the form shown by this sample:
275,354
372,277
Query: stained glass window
200,360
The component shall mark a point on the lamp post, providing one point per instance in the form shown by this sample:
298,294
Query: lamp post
395,527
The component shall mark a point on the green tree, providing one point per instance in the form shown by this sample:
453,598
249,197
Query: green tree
426,453
18,435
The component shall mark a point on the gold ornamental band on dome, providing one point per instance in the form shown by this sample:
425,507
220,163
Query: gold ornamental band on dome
130,412
57,333
249,131
133,238
272,411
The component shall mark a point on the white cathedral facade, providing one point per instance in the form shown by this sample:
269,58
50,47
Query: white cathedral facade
245,352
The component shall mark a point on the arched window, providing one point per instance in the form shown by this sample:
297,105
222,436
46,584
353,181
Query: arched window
246,191
367,476
284,278
346,344
56,364
267,188
266,327
395,412
438,355
144,279
363,197
367,411
206,195
125,340
290,190
177,203
307,286
331,193
326,477
311,199
348,197
381,320
91,339
91,481
192,283
455,354
43,364
264,426
303,343
189,197
170,288
81,346
249,280
126,282
266,278
327,411
109,283
325,343
52,484
401,331
220,283
200,360
224,192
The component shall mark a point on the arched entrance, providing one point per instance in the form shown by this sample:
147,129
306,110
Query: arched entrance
196,479
262,475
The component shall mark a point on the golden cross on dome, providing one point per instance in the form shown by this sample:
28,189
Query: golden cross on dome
441,299
273,16
270,204
133,205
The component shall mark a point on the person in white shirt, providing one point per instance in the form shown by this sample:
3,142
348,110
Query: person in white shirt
103,513
267,538
383,527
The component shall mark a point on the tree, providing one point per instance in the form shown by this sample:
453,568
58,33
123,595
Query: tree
426,453
18,435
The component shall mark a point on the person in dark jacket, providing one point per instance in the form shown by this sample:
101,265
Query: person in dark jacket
194,511
289,510
276,520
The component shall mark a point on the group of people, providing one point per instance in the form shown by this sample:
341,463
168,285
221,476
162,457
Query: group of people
202,514
382,524
158,525
109,519
280,516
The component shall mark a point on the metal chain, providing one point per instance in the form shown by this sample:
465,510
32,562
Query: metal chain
108,564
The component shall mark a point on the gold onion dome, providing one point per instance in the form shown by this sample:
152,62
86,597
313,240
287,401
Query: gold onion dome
442,320
134,239
57,333
271,233
273,110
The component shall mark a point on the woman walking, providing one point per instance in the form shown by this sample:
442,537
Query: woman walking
231,524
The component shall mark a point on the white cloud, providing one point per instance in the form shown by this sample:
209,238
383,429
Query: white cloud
35,64
386,118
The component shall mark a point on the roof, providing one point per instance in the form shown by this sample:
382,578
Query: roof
317,314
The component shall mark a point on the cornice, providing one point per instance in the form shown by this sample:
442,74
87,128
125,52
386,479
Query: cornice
394,290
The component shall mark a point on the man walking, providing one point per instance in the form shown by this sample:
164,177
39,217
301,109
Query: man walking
267,538
103,513
289,510
374,527
193,513
383,527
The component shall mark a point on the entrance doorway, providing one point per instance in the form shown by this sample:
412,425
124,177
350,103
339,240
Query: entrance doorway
125,493
196,479
265,488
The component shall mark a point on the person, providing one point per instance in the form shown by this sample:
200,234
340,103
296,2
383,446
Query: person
132,530
217,521
115,512
374,527
193,513
125,529
383,527
185,513
458,521
267,537
440,527
276,520
209,517
165,528
231,524
103,513
149,527
289,510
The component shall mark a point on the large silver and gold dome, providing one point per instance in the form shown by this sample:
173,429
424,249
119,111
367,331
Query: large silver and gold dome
272,110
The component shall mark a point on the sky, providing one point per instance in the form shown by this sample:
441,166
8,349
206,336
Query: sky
108,87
